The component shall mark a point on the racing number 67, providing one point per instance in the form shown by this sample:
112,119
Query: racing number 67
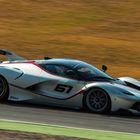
63,88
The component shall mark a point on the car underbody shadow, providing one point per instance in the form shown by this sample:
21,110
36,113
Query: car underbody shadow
120,113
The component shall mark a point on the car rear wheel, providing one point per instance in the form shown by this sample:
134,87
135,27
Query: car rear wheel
4,89
97,100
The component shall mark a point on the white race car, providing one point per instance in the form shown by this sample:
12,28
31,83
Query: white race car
67,83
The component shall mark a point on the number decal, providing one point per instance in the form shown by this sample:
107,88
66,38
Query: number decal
63,88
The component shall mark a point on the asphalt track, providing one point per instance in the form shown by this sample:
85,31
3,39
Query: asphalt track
67,117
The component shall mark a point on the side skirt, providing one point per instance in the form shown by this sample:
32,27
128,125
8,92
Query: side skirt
19,94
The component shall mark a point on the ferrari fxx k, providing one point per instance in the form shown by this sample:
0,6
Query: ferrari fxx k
67,83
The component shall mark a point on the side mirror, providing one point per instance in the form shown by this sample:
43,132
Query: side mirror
104,68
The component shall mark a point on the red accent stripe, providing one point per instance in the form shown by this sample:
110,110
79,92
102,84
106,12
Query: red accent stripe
37,65
34,63
49,72
80,92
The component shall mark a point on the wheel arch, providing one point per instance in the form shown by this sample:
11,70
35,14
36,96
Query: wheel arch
96,87
5,97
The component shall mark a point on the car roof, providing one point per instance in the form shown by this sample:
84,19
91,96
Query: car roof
66,62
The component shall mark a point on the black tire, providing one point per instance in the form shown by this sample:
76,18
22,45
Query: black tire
97,100
4,89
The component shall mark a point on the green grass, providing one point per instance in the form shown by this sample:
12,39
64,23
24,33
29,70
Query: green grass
70,132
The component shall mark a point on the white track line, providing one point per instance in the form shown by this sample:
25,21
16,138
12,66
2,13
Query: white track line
63,126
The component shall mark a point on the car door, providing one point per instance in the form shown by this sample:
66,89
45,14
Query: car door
61,82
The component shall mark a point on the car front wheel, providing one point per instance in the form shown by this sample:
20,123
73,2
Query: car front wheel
97,100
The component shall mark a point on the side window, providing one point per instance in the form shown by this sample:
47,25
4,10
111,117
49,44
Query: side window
51,68
61,70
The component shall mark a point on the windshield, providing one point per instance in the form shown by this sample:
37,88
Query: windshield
89,73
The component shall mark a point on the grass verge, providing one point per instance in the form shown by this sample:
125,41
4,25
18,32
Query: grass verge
70,132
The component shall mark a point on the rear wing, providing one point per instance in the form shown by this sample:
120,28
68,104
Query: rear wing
11,56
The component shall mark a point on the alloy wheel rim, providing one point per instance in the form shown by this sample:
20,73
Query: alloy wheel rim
97,100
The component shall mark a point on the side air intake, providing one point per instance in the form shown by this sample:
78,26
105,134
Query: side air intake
132,85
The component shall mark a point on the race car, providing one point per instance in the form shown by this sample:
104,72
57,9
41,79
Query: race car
67,83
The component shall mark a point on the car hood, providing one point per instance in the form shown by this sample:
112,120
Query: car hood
116,85
131,82
126,88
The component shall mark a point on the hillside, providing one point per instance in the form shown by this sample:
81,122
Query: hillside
98,32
